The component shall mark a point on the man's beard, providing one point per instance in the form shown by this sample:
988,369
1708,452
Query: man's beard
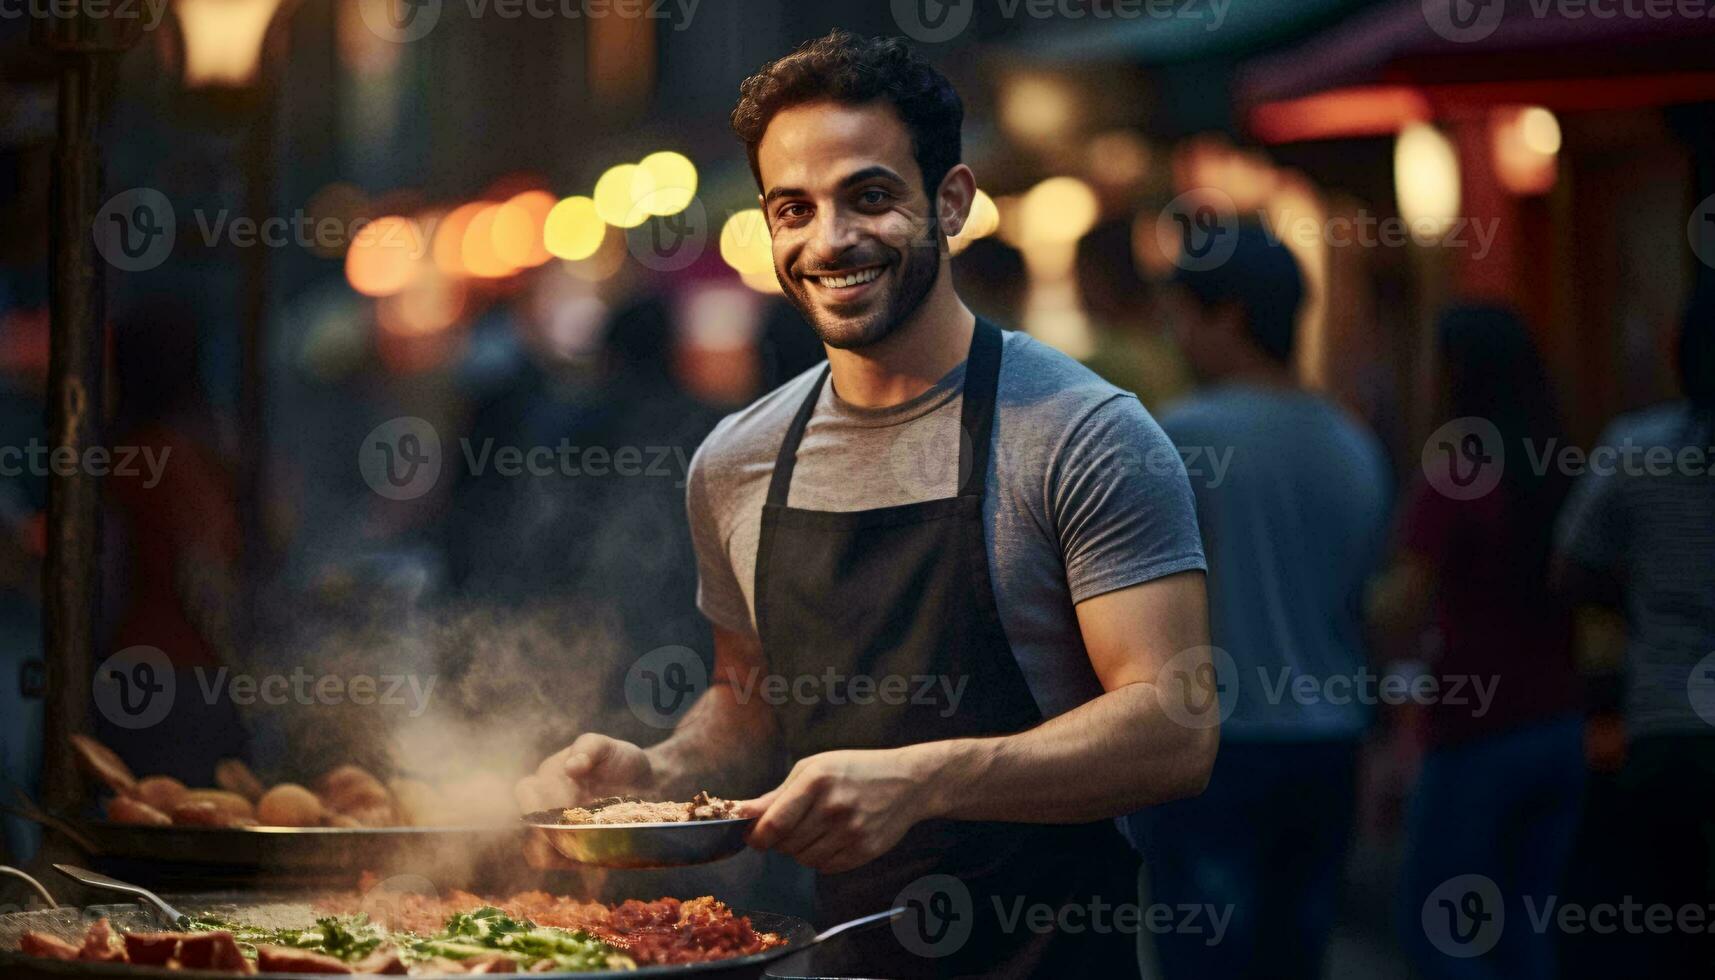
911,285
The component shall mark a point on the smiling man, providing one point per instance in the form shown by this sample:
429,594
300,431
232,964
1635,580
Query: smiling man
969,566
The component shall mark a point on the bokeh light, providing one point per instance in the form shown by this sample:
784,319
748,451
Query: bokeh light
673,179
383,256
1059,210
621,194
1426,180
746,245
574,230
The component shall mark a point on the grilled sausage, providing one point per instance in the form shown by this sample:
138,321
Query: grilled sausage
234,776
161,792
101,763
350,788
123,809
228,802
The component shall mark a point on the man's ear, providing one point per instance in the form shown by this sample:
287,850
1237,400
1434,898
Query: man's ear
953,199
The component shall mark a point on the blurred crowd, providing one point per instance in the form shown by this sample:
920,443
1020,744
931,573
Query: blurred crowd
1340,564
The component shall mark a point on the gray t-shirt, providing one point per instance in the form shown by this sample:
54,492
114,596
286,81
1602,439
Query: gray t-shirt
1650,519
1085,496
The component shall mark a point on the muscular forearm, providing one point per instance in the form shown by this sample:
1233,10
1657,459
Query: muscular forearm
1115,754
725,744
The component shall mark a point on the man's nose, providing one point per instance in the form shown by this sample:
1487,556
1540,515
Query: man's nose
835,234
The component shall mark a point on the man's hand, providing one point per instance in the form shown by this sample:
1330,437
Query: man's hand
591,767
841,810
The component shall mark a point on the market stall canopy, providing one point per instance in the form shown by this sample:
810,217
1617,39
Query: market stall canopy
1158,31
1418,54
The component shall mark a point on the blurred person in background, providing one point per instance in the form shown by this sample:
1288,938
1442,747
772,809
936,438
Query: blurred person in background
23,506
1639,533
1502,780
1292,498
1131,350
173,527
992,279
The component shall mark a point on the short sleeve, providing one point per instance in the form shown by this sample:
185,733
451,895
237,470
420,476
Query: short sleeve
1121,502
1588,531
719,596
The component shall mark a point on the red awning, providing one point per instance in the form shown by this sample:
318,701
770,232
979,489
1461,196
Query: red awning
1566,54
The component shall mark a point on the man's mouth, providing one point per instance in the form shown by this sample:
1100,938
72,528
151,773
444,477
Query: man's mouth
853,280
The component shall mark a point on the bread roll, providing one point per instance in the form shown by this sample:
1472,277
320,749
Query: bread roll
290,805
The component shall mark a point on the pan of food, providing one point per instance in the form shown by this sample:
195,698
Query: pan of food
625,832
346,820
301,935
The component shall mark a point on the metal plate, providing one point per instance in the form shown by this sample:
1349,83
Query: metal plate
318,849
645,845
290,910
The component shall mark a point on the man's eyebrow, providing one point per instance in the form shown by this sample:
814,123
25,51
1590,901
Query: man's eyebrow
871,173
856,177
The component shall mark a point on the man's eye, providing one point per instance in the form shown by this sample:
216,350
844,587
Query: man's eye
791,211
874,195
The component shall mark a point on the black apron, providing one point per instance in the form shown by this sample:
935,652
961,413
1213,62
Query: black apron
904,592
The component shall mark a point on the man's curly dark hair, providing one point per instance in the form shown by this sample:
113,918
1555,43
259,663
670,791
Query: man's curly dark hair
854,70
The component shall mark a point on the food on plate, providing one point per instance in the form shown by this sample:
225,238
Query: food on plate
347,796
290,805
418,803
352,789
226,801
624,809
104,765
207,813
234,776
161,792
482,939
123,809
664,931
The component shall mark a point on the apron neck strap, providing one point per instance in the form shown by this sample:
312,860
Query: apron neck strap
976,422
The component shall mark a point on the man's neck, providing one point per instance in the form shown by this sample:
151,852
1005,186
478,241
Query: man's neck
908,361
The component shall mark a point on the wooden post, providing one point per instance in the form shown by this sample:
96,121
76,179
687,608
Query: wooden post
85,44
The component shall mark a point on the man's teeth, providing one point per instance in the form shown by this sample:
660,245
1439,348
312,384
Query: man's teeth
855,279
